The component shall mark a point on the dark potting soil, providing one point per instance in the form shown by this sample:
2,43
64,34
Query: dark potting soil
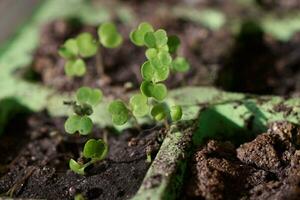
267,167
36,165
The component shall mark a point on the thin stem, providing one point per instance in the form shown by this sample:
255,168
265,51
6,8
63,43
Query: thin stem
99,64
166,124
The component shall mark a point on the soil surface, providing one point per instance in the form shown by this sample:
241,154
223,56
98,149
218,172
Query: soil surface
265,168
35,161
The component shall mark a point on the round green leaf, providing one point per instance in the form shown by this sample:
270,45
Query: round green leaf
75,67
180,64
159,112
89,95
95,149
161,37
72,124
173,43
137,36
138,103
147,88
159,91
87,45
119,112
151,53
83,94
113,41
85,125
147,71
107,29
165,58
176,113
69,49
150,40
75,167
161,74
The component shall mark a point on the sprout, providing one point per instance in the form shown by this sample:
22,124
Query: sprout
80,121
150,73
86,46
95,150
109,36
160,111
180,64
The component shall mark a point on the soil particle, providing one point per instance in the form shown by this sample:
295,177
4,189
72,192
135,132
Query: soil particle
265,168
41,165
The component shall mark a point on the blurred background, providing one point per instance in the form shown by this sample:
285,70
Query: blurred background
250,46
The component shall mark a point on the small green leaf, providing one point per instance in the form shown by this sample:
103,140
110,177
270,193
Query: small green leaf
180,64
137,36
147,88
159,112
161,74
87,45
75,167
69,49
89,95
72,124
75,67
176,112
161,37
151,53
165,58
173,43
147,71
95,149
150,40
85,125
159,92
119,112
109,36
138,103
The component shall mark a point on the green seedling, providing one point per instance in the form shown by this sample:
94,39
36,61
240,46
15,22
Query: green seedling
94,150
80,121
154,71
75,50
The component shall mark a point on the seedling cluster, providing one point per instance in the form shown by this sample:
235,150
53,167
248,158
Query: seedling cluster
155,70
161,61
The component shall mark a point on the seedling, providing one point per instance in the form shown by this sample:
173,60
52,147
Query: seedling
94,150
75,50
154,71
80,121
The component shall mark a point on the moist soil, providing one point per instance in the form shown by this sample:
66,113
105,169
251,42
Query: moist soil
265,168
35,163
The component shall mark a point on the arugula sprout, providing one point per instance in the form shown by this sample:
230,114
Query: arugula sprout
80,121
157,91
74,50
95,150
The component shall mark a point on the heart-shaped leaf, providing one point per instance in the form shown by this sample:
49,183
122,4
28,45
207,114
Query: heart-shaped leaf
72,124
157,91
76,167
139,105
109,36
159,112
176,113
89,95
87,45
137,36
75,67
85,125
180,64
